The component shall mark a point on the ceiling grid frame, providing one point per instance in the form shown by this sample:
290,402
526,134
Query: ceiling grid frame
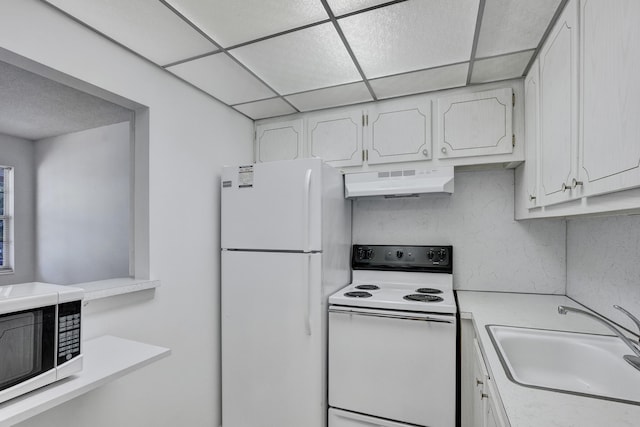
225,51
406,87
334,21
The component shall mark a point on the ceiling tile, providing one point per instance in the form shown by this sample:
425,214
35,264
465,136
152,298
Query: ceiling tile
222,77
500,67
342,7
331,97
513,25
299,61
412,35
146,27
233,22
421,81
267,108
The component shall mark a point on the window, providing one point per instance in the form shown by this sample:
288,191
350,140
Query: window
6,187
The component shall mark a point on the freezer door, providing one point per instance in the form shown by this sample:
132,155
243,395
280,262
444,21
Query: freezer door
273,371
272,206
340,418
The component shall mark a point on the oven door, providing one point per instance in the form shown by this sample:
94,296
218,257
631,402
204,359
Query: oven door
340,418
395,365
27,345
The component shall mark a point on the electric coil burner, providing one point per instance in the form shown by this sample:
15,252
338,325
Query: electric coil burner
368,287
356,294
401,297
422,298
428,291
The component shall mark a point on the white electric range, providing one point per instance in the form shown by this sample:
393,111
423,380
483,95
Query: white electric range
392,339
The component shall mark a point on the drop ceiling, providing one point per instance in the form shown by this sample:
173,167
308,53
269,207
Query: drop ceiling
268,58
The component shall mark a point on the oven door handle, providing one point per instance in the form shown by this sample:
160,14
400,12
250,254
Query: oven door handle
390,316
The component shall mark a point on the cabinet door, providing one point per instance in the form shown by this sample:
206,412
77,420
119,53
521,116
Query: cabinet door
480,377
399,131
336,138
496,416
531,125
476,124
558,108
279,141
610,95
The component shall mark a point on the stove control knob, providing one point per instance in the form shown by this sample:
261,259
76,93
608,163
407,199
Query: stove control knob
368,253
399,254
430,255
443,253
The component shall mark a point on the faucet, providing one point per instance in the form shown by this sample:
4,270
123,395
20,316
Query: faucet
632,360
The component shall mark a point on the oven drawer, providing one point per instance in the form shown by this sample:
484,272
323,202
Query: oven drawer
395,365
339,418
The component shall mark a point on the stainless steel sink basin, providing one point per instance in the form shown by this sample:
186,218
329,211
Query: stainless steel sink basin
583,364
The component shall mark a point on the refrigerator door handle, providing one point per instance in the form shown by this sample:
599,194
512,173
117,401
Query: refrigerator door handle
307,323
307,212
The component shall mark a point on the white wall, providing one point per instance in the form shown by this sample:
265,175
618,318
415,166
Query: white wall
82,205
19,153
191,136
491,251
603,267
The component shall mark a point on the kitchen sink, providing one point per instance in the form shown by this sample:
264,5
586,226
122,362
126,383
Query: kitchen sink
567,362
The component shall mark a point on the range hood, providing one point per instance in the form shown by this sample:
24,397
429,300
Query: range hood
399,183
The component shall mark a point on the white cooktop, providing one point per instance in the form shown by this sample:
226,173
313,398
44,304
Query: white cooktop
393,286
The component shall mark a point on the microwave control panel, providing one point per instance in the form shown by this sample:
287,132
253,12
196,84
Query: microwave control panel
68,331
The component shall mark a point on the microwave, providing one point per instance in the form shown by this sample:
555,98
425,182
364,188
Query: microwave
40,336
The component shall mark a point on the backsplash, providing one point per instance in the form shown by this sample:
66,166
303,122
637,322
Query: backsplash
603,264
492,251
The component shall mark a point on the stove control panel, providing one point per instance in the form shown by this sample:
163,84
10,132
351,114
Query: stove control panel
437,259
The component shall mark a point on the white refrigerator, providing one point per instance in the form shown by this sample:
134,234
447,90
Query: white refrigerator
286,239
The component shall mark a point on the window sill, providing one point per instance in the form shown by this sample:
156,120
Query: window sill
4,271
112,287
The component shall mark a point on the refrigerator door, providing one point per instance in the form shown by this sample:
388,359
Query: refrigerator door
273,371
272,206
340,418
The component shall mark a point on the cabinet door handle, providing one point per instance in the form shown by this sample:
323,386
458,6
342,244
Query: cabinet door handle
478,382
425,152
575,183
564,187
484,396
444,150
531,198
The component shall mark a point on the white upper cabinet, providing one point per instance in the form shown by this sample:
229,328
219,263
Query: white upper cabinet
279,141
336,137
398,131
558,110
610,95
475,124
480,126
531,126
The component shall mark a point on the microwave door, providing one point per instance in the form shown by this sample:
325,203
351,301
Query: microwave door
27,345
19,334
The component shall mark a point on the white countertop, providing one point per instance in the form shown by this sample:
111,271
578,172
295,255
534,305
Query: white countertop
106,358
529,407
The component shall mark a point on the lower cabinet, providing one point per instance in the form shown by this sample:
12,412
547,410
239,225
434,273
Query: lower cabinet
480,402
